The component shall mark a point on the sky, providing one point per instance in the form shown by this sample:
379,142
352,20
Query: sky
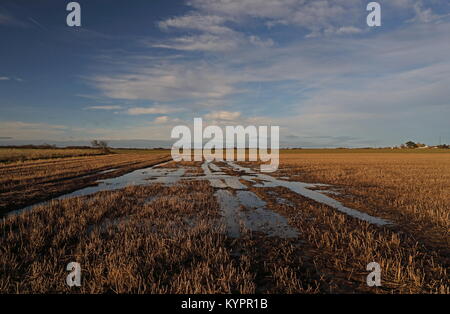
135,69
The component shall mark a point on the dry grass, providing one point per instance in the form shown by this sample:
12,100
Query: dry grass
157,239
22,154
172,244
412,190
24,183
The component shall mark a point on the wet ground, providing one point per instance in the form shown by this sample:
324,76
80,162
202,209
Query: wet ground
240,207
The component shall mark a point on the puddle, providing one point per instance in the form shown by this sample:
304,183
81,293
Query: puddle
150,175
250,199
230,208
331,192
214,167
138,177
304,190
255,217
219,179
108,171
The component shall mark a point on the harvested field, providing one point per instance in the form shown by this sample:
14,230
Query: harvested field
223,227
23,154
25,183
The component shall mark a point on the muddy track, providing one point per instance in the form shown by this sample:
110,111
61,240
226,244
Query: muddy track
287,229
239,206
46,189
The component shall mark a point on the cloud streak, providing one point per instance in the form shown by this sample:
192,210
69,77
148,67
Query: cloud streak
151,110
105,107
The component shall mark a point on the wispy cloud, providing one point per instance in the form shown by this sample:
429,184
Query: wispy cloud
106,107
7,78
161,119
38,24
312,67
166,81
166,120
325,16
151,110
29,130
196,21
203,42
222,115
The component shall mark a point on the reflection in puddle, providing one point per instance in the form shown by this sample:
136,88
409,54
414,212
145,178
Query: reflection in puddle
255,218
220,180
330,192
250,199
134,178
108,171
303,189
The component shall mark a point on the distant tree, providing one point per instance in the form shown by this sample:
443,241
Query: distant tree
410,144
103,145
47,146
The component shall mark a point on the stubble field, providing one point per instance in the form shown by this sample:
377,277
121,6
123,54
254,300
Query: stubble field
139,224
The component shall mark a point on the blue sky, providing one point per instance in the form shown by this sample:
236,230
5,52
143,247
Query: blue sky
136,69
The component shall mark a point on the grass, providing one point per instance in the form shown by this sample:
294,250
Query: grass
157,250
140,151
412,190
23,154
22,183
363,151
158,239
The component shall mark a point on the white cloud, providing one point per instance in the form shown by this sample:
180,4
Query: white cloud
222,115
319,17
422,13
31,125
106,107
28,130
6,78
255,40
315,16
425,15
204,42
213,35
206,23
161,119
150,110
167,81
328,84
348,30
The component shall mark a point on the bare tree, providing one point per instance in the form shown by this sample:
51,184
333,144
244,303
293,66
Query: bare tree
103,145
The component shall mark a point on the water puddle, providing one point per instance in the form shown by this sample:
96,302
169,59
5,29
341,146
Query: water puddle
253,217
250,199
219,179
256,218
150,175
134,178
108,171
304,189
